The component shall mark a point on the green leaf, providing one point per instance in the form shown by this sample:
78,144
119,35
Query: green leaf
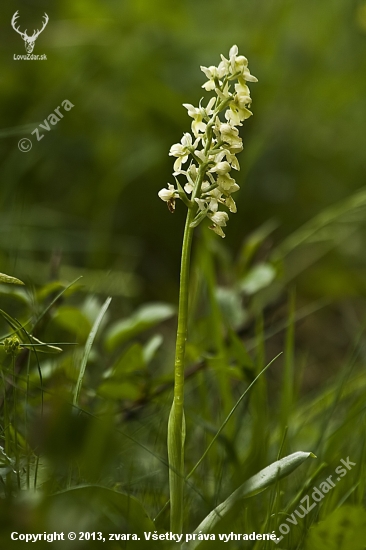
115,389
144,318
73,320
259,277
257,483
344,529
17,292
130,362
88,347
49,290
8,279
122,380
151,347
231,306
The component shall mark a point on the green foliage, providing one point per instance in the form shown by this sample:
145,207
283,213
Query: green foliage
8,279
120,399
252,486
83,421
344,528
144,318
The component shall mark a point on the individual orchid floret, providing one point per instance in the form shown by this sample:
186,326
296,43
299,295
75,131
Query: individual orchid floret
237,64
227,183
242,96
235,115
219,220
215,197
221,168
199,114
197,125
229,135
230,157
169,195
181,150
214,75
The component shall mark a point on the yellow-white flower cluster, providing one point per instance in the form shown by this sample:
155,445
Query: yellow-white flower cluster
214,144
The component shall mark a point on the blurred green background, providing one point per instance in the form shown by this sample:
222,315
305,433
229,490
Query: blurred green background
86,194
83,201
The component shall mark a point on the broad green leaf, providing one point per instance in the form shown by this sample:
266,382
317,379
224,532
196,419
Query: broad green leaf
344,529
151,347
131,361
18,292
230,303
73,320
71,287
121,381
259,277
257,483
8,279
115,389
50,289
144,318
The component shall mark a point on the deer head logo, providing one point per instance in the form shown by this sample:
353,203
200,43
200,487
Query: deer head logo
28,40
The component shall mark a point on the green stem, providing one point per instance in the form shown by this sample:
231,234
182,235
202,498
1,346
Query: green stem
176,424
176,427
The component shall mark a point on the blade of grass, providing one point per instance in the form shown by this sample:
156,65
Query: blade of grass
220,429
254,485
259,406
87,349
220,361
230,415
287,386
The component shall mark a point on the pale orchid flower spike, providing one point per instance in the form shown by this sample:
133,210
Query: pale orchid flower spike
211,152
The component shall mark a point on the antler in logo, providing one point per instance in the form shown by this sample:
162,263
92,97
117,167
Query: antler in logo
28,40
